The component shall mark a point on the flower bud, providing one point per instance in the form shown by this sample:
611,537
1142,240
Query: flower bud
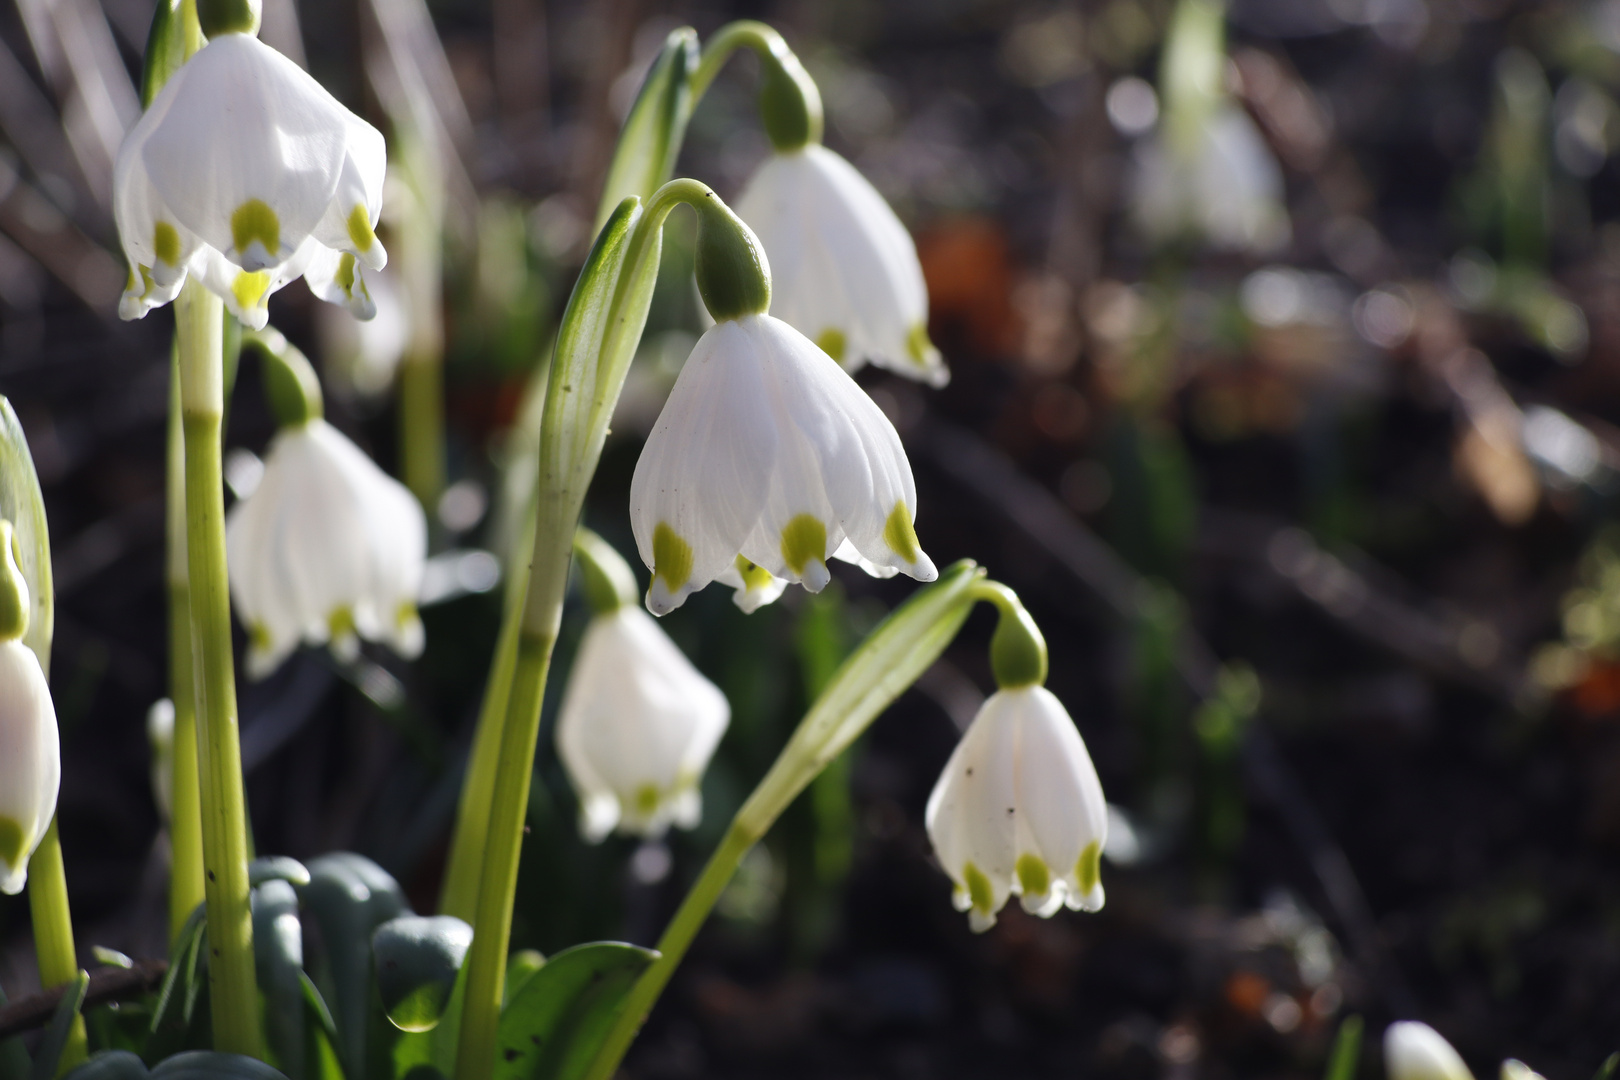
1415,1051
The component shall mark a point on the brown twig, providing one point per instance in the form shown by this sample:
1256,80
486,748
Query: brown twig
108,984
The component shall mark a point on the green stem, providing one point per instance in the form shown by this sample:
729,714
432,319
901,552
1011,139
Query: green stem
185,815
53,933
486,961
762,38
421,425
232,985
789,102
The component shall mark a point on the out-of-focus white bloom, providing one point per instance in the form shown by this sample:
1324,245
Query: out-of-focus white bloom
1415,1051
1019,811
160,734
30,759
1514,1069
247,173
362,356
769,450
328,546
1223,185
637,728
844,271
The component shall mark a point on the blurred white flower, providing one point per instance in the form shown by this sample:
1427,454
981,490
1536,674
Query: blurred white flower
844,271
327,547
1019,811
30,747
637,728
362,356
247,173
769,450
160,734
1223,185
1415,1051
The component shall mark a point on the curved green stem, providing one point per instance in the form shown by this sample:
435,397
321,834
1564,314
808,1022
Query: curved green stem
232,985
53,934
789,100
185,815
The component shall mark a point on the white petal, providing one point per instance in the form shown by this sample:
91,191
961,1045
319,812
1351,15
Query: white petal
755,587
1062,812
972,814
1415,1051
350,220
247,293
252,150
846,553
637,727
30,761
336,277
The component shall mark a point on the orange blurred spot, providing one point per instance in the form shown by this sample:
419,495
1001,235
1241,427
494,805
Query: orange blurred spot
1247,992
968,265
1598,694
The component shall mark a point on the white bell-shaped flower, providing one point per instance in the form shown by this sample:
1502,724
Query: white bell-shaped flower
247,173
844,270
327,547
637,728
1415,1051
1019,811
30,762
768,450
1224,186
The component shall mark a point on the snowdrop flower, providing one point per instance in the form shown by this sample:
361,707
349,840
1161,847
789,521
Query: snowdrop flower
755,587
1225,187
328,547
246,173
1415,1051
638,722
30,748
769,451
1019,809
844,269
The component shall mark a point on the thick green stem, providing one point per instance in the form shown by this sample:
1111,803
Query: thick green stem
421,425
185,814
486,962
232,985
53,933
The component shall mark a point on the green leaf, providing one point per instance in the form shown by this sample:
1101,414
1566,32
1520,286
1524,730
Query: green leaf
520,968
166,45
349,897
323,1063
278,952
421,1055
554,1025
49,1054
1607,1069
277,868
1346,1050
417,959
22,504
650,140
13,1057
110,1065
176,990
212,1065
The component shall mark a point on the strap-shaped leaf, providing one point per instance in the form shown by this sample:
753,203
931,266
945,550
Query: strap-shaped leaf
650,140
49,1054
417,959
278,952
277,868
521,966
212,1065
22,504
553,1026
349,896
110,1065
425,1055
323,1056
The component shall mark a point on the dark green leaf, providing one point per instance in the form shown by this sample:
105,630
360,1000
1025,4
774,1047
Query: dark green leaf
176,989
49,1054
417,958
553,1027
323,1063
349,897
277,868
110,1065
165,48
1346,1050
278,950
650,140
13,1057
520,968
211,1065
1607,1070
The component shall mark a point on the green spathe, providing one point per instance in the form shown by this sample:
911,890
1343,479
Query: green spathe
290,383
13,588
609,581
733,274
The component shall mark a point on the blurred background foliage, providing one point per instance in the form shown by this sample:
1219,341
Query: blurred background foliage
1286,368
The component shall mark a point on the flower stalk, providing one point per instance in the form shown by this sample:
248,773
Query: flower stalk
53,935
199,319
185,814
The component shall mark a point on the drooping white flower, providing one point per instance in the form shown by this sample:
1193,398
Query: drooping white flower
247,173
1223,185
327,547
1019,811
768,450
844,269
637,728
30,761
1415,1051
755,586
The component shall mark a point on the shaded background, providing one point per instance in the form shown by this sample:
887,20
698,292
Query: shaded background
1316,533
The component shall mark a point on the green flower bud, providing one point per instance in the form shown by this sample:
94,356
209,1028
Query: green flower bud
13,587
218,17
1017,648
733,275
